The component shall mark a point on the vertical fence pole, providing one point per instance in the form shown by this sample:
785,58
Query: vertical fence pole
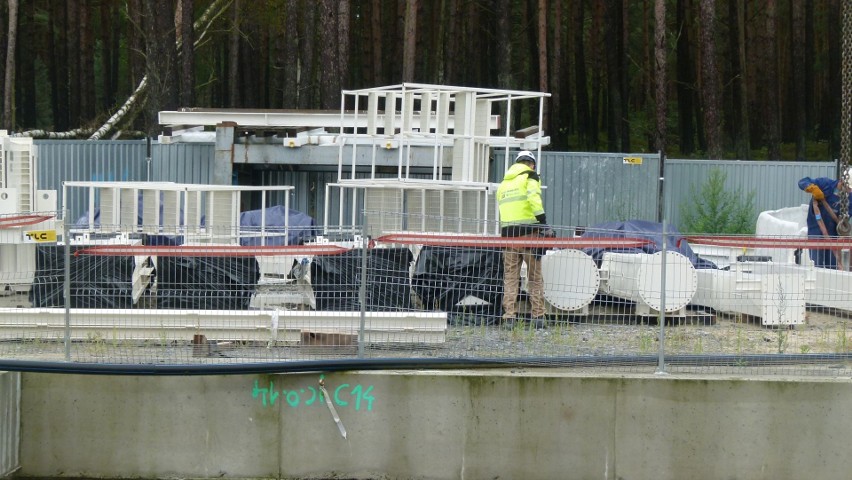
362,294
66,239
661,195
661,360
148,157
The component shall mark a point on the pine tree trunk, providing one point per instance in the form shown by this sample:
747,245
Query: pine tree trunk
451,42
115,53
504,44
624,76
581,94
376,8
187,53
161,54
660,79
330,76
409,40
306,56
710,79
613,73
86,62
25,104
72,55
108,58
595,112
50,64
234,99
739,93
290,63
771,110
344,12
8,121
797,95
542,59
685,80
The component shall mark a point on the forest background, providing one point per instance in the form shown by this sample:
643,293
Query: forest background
757,79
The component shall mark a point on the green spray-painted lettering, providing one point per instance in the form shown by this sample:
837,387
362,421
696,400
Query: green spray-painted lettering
292,398
343,395
313,396
365,395
337,399
264,393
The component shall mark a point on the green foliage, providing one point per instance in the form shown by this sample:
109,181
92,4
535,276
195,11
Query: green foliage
715,209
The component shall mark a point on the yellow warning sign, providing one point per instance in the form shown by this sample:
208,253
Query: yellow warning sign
633,160
40,236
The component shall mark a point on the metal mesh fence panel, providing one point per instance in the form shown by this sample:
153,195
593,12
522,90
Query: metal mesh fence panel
617,299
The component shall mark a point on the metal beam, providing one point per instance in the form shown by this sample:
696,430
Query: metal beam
291,119
233,325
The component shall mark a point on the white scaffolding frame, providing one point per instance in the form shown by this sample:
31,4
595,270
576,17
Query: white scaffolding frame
203,213
457,123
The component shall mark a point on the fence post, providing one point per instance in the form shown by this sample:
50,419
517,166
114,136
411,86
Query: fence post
661,195
362,294
66,239
661,360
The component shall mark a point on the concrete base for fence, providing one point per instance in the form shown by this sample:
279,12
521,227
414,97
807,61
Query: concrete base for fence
435,424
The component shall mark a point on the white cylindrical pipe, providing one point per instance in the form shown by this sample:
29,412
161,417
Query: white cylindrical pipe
638,277
571,279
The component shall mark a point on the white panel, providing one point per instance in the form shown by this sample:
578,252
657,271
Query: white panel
129,210
425,111
46,201
372,113
151,210
408,111
776,296
390,110
171,209
109,205
9,201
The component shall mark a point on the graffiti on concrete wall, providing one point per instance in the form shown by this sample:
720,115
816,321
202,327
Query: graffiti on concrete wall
344,395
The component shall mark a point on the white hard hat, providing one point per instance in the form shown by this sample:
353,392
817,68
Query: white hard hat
525,156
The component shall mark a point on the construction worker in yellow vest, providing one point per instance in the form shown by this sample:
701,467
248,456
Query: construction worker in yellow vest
522,215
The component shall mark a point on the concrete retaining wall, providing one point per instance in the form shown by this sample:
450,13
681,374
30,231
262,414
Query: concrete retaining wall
441,425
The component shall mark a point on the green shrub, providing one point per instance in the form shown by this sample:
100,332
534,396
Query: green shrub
716,210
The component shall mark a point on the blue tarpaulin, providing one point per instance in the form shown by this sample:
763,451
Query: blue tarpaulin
652,231
302,226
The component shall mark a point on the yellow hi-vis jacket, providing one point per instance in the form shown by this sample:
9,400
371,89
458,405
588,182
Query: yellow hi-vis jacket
519,196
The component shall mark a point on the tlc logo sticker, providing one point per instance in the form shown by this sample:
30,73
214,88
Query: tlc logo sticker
40,236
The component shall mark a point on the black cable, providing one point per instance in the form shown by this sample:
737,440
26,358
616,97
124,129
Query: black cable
761,360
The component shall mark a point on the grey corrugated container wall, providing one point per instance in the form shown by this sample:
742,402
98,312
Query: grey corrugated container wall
580,188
